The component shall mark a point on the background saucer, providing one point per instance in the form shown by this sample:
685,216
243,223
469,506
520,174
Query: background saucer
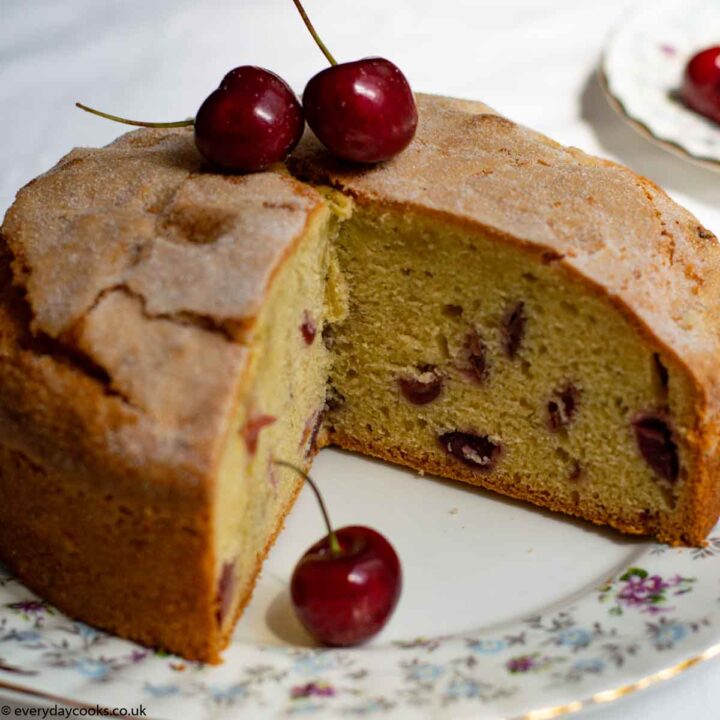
643,66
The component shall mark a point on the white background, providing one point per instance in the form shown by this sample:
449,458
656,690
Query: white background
534,61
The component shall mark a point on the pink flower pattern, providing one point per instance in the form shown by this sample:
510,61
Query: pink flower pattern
644,592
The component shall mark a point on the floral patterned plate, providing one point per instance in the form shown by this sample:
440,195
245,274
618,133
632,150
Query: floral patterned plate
507,611
643,66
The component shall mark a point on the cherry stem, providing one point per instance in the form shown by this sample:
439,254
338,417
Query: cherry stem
335,547
137,123
313,32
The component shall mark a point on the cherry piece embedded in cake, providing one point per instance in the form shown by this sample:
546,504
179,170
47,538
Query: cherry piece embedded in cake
226,591
562,407
308,329
655,442
308,440
513,329
474,362
252,428
477,451
423,387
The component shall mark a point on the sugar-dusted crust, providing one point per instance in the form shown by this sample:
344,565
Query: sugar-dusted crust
141,215
124,327
617,231
149,273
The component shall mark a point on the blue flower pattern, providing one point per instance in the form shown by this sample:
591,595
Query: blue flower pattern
576,644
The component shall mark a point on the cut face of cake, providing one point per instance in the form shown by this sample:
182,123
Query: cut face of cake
488,306
523,317
485,362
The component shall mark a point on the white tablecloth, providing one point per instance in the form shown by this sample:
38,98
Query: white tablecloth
533,60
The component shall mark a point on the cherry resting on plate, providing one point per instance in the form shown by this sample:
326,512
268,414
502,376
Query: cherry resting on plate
700,90
251,121
363,111
345,586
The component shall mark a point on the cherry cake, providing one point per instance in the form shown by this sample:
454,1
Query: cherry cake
488,306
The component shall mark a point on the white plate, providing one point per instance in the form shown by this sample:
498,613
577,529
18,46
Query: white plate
506,610
643,66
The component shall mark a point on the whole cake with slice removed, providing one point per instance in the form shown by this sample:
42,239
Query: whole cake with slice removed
488,306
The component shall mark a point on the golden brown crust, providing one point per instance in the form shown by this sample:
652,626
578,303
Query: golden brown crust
47,540
75,506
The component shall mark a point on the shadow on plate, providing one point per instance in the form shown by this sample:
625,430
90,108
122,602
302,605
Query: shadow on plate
283,623
619,139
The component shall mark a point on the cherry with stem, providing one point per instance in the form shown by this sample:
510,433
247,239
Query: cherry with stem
363,111
251,121
345,586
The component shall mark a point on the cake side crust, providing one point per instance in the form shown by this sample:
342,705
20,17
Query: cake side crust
694,533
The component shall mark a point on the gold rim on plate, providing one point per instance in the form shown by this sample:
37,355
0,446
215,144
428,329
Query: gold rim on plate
607,696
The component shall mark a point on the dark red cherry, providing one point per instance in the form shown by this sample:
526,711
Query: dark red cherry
701,83
250,122
363,111
344,598
346,586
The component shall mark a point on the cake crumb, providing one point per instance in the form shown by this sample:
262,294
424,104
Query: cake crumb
453,511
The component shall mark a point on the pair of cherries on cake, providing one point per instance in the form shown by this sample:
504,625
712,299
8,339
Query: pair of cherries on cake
346,586
362,111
